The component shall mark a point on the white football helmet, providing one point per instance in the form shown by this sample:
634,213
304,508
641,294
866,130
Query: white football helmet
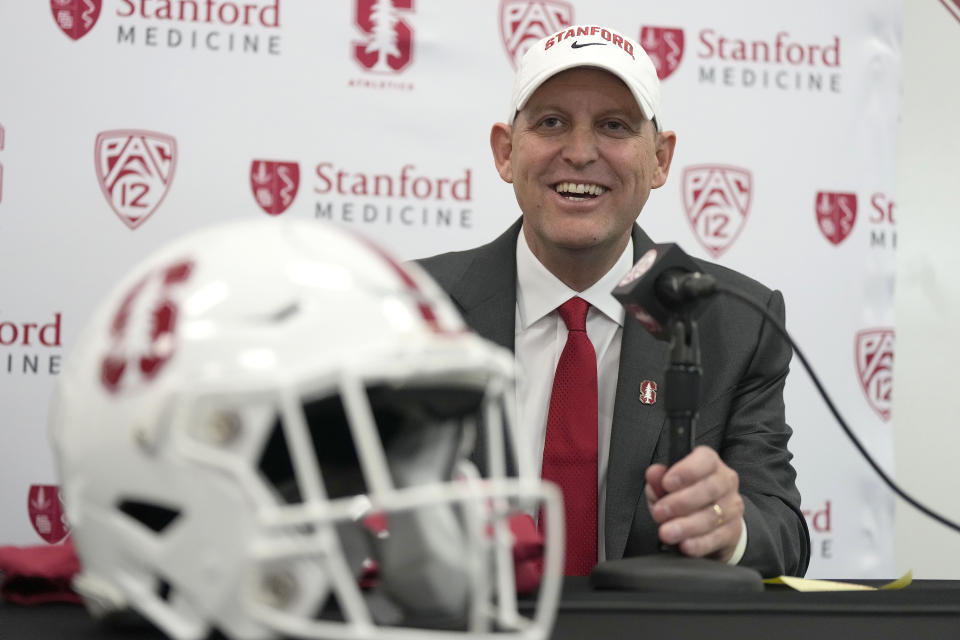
265,431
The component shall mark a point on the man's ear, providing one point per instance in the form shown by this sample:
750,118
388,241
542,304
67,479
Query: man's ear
666,143
501,143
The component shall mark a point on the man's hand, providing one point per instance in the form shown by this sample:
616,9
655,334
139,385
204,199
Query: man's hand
682,501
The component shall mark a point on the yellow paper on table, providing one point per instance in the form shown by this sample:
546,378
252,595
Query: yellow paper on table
808,584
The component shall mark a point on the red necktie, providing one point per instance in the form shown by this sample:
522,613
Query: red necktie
570,448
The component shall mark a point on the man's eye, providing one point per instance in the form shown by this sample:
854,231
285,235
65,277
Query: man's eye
550,122
614,125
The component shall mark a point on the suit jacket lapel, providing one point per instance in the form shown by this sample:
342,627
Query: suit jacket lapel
487,292
636,426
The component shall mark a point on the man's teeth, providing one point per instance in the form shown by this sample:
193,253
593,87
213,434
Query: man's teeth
579,189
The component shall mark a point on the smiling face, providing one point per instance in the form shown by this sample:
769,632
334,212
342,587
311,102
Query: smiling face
582,159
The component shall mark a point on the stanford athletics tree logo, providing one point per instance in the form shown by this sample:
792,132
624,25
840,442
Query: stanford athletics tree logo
135,169
836,214
648,392
274,184
873,354
142,333
388,45
75,17
717,200
46,512
524,22
664,46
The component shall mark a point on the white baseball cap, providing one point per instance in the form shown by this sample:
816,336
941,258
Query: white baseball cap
589,46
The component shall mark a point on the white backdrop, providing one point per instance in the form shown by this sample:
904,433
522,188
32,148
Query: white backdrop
928,292
127,123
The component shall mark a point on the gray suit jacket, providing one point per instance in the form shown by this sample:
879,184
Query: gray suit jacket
741,412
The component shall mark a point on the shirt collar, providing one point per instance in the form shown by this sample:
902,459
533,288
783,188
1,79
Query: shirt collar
539,292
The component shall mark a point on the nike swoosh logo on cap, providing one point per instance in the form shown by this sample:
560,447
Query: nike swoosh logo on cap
586,44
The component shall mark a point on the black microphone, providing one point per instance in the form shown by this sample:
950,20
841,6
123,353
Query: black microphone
664,291
665,281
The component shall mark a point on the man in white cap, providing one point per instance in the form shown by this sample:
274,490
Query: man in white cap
583,146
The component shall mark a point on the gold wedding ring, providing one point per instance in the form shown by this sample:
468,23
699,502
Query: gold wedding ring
717,510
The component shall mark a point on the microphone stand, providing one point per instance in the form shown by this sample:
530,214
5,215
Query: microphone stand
670,570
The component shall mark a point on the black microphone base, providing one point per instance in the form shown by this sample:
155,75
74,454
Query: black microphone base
672,572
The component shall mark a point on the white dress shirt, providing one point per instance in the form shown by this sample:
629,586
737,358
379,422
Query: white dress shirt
539,339
540,335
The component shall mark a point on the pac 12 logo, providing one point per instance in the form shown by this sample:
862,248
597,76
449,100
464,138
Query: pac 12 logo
45,509
75,17
524,22
716,199
274,184
873,355
664,45
387,46
836,214
135,169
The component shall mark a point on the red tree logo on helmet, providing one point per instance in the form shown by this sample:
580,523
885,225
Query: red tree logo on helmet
873,354
836,214
717,200
274,184
135,169
46,512
75,17
664,46
524,22
142,332
388,43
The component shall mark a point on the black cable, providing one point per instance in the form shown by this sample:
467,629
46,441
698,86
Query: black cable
833,409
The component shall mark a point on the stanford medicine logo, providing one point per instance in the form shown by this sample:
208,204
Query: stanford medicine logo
873,354
135,169
522,23
46,512
406,197
388,43
32,346
274,184
780,60
836,214
75,17
142,333
665,48
716,199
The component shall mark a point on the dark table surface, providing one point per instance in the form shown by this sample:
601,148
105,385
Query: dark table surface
927,609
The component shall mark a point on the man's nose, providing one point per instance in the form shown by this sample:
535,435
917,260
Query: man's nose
581,146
